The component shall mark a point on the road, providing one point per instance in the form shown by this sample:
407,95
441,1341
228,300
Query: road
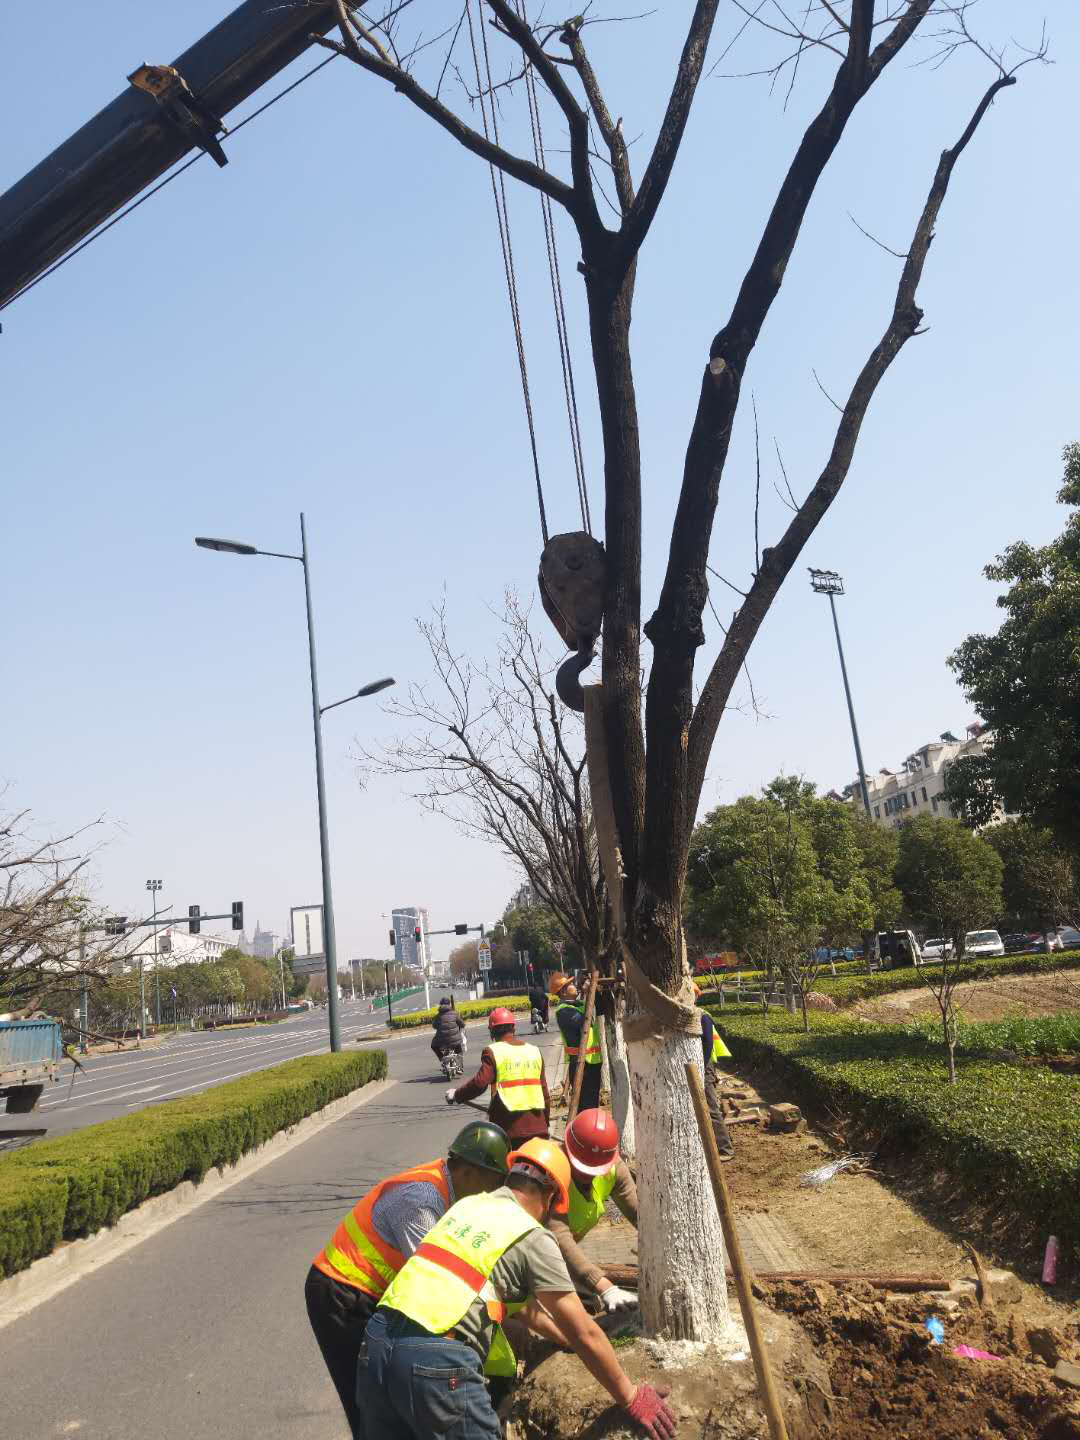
190,1061
201,1331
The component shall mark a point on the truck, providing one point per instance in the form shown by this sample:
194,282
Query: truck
30,1055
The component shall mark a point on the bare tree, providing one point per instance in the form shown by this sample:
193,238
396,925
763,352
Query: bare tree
658,761
491,747
50,930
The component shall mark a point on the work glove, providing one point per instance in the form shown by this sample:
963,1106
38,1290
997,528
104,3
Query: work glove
651,1411
450,1094
616,1299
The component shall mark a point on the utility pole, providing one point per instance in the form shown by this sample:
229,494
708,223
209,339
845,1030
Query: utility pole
281,971
84,997
154,886
828,582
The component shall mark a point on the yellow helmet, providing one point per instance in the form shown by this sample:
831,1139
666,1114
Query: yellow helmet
550,1158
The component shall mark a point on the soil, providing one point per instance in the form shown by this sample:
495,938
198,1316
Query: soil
1026,995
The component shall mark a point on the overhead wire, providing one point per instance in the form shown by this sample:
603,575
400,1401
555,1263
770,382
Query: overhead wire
168,179
502,216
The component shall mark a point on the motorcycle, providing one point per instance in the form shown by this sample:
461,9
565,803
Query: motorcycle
539,1024
451,1063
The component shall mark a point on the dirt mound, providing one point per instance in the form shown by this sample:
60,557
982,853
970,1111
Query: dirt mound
714,1395
990,999
888,1377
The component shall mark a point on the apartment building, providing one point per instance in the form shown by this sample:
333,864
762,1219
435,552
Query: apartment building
918,784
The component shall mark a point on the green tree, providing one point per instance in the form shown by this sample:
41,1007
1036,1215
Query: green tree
880,848
951,881
1024,680
1039,881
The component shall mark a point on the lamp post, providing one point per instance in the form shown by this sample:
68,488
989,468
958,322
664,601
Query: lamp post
828,582
154,887
236,547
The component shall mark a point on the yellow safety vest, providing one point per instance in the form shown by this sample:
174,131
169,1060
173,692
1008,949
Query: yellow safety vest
592,1044
585,1211
452,1265
517,1075
719,1049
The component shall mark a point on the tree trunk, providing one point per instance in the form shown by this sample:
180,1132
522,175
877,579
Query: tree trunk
621,1103
683,1291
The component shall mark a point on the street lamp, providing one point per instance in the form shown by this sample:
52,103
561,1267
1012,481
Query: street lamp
154,887
237,547
828,582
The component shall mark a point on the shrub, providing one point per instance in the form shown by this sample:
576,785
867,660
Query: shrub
468,1010
1007,1130
78,1183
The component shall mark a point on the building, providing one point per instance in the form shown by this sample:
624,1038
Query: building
918,784
524,898
264,945
175,946
407,919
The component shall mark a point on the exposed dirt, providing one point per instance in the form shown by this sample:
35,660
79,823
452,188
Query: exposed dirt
994,999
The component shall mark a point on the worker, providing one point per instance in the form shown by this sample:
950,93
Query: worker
384,1227
449,1029
713,1051
514,1069
597,1174
437,1329
570,1016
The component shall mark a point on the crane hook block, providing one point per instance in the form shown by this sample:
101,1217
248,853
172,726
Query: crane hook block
573,581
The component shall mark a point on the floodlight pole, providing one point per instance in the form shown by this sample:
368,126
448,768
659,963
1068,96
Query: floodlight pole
827,582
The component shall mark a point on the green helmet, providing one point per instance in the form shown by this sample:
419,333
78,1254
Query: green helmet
483,1144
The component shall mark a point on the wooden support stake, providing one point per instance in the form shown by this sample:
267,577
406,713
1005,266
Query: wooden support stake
579,1068
744,1280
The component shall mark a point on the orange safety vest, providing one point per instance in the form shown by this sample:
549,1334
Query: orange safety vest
358,1255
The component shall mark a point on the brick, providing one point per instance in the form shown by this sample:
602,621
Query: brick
785,1117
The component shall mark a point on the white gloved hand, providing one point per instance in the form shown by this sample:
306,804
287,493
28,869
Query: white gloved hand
616,1299
450,1095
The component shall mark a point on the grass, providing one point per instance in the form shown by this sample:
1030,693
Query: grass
1009,1133
69,1187
1044,1035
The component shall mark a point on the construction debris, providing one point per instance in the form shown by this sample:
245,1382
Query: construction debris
824,1173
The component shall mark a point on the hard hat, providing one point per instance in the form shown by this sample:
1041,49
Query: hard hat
501,1017
545,1155
484,1144
592,1142
557,981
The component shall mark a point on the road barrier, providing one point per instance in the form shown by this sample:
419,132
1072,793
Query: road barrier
379,1002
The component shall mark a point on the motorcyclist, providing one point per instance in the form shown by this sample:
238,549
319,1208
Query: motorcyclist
538,999
449,1029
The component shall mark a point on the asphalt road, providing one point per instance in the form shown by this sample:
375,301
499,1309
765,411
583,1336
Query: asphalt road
190,1061
201,1332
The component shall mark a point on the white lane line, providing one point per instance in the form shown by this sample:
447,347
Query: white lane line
101,1100
216,1080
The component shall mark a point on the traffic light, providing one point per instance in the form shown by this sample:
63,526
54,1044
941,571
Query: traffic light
194,922
417,936
393,938
238,914
461,929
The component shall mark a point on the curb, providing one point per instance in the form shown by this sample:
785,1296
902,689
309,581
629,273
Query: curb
40,1281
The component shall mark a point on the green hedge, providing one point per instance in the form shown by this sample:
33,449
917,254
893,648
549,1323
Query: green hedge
468,1010
847,989
78,1183
1010,1131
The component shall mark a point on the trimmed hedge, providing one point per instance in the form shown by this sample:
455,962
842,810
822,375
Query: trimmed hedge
76,1184
1005,1131
468,1010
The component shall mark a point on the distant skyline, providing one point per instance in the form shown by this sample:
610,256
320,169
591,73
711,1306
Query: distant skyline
322,325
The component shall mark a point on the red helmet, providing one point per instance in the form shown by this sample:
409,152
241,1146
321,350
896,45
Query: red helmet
592,1142
501,1017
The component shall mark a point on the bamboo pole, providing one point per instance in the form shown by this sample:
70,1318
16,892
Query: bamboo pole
579,1068
770,1400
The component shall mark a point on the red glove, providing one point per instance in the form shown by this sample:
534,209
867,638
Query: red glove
649,1409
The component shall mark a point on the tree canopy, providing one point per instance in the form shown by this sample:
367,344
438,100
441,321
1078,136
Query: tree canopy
1039,879
1024,680
950,877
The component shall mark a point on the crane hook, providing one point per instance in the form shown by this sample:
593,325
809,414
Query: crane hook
567,677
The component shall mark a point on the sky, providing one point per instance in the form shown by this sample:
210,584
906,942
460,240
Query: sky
323,326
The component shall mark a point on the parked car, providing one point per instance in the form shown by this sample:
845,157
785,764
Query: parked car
983,944
936,949
1016,944
898,948
1068,935
1045,944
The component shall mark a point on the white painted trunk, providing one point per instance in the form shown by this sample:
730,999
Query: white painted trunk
683,1291
621,1104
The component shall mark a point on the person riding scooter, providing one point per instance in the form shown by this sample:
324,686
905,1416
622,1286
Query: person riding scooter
449,1030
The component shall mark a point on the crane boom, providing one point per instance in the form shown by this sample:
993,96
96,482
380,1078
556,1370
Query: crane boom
165,112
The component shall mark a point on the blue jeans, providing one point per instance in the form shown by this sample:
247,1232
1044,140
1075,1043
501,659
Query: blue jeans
414,1386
